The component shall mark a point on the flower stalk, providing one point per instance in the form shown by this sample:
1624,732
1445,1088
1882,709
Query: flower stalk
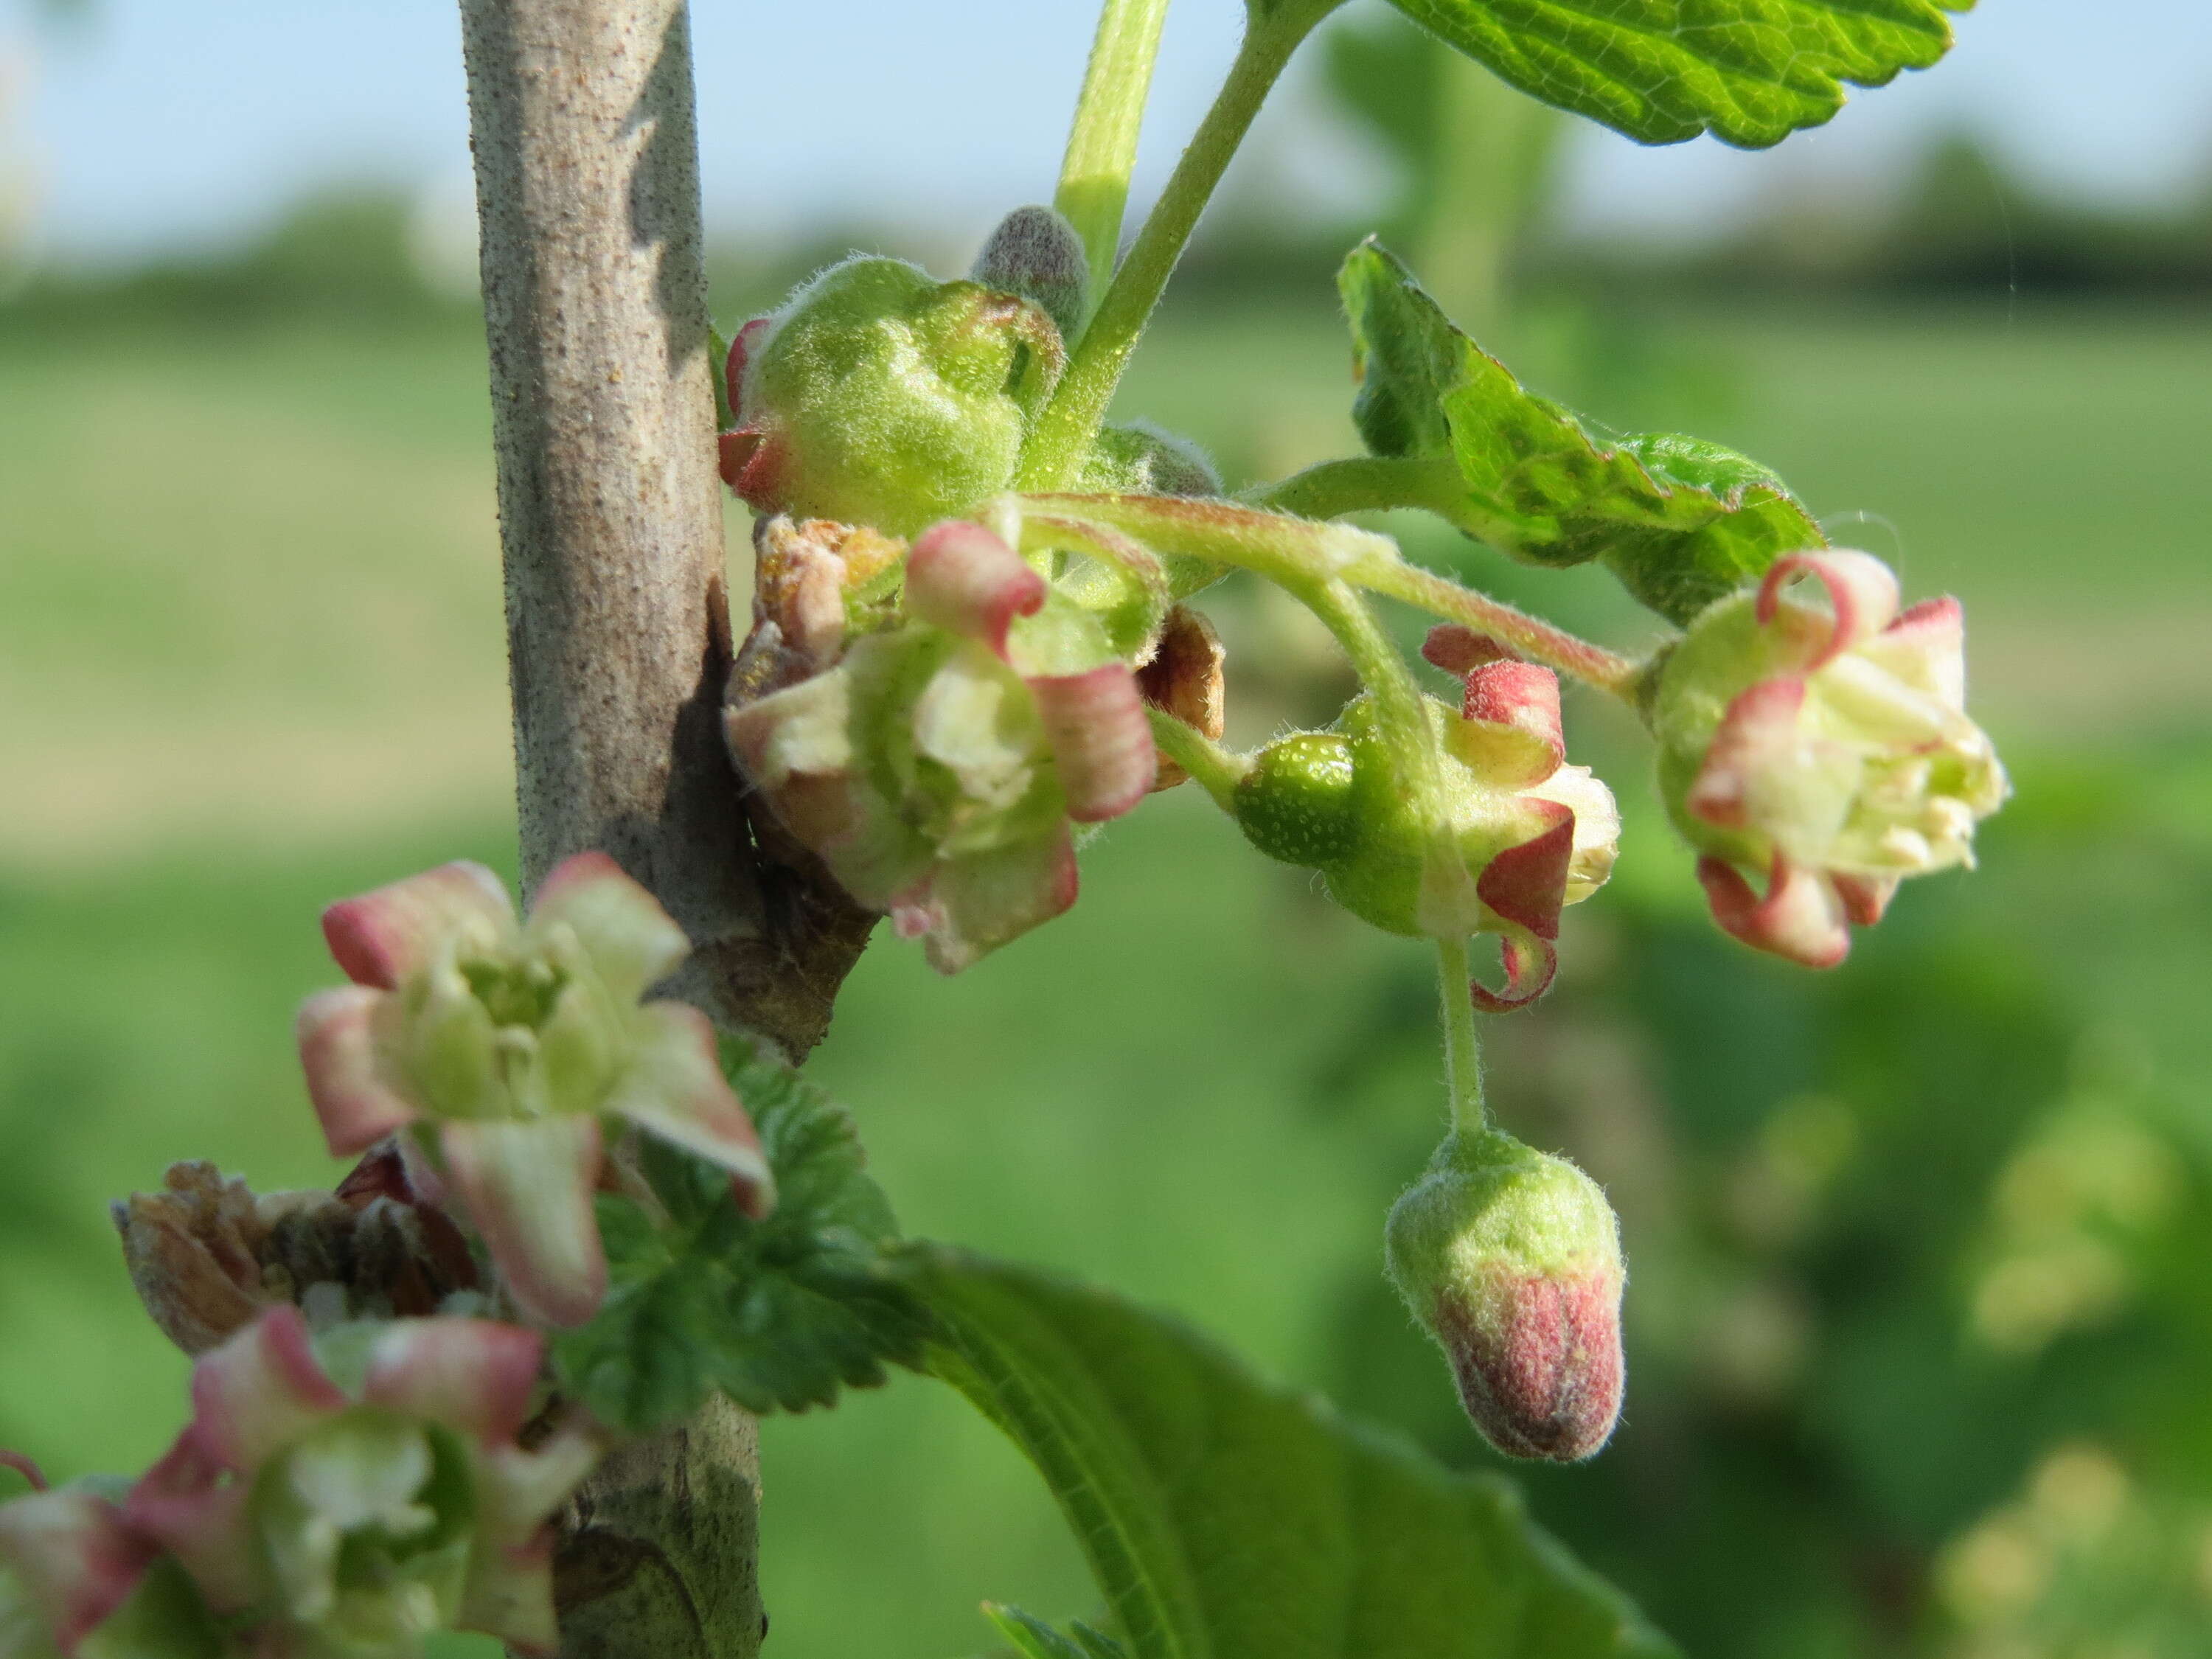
1102,142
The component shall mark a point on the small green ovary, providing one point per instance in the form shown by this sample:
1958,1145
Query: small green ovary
1296,803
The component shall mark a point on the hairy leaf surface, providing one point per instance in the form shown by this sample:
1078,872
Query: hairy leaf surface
1679,520
1227,1518
777,1314
1750,72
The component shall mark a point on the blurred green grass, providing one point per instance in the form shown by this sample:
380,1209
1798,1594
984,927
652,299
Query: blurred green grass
249,643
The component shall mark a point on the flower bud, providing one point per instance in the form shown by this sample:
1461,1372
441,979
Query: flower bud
876,395
1038,255
507,1049
1827,753
1528,833
1141,459
936,766
1510,1259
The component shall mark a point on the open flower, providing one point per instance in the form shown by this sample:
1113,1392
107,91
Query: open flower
351,1493
1825,754
936,766
510,1049
79,1581
1522,834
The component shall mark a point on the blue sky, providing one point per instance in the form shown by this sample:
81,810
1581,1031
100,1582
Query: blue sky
170,123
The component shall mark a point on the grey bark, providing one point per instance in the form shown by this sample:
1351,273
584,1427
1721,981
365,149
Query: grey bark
618,635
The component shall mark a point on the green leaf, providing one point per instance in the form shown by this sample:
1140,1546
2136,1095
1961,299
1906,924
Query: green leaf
1226,1518
776,1314
1035,1639
1750,72
1679,521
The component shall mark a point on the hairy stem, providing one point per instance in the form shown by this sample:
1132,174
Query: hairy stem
1064,431
1218,770
1365,484
1462,1055
1101,143
1532,638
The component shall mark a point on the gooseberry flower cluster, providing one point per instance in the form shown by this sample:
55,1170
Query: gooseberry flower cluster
349,1492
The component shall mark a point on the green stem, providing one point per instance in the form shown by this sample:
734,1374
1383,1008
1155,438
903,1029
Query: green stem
1539,640
1366,484
1462,1057
1064,431
1101,143
1218,770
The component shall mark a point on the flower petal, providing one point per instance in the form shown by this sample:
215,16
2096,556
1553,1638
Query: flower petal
1862,591
510,1595
476,1375
354,1105
1757,735
962,577
527,1187
1101,739
630,940
74,1557
381,937
260,1390
1926,648
1801,918
973,905
674,1088
1865,898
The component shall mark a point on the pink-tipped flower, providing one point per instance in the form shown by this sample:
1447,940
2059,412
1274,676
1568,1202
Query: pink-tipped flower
511,1051
937,766
1816,756
1523,834
354,1492
1511,1260
77,1580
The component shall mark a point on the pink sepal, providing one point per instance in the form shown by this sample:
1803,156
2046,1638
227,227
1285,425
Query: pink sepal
337,1053
1926,648
1865,898
752,462
75,1558
630,939
260,1390
511,1596
676,1090
381,937
1101,739
1527,884
186,1505
1758,732
1523,696
527,1188
1531,963
969,906
1862,591
961,577
1460,650
1801,918
24,1466
476,1375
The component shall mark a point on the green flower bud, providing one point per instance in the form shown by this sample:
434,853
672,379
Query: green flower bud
1510,1259
1038,255
1141,459
876,395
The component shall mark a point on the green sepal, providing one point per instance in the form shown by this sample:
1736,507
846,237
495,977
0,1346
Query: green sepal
1679,521
718,355
777,1314
1751,72
1227,1516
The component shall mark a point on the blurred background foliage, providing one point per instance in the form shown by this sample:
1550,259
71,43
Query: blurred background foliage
1920,1328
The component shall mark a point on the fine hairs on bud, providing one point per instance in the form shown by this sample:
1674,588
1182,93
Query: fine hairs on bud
1510,1259
1037,254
